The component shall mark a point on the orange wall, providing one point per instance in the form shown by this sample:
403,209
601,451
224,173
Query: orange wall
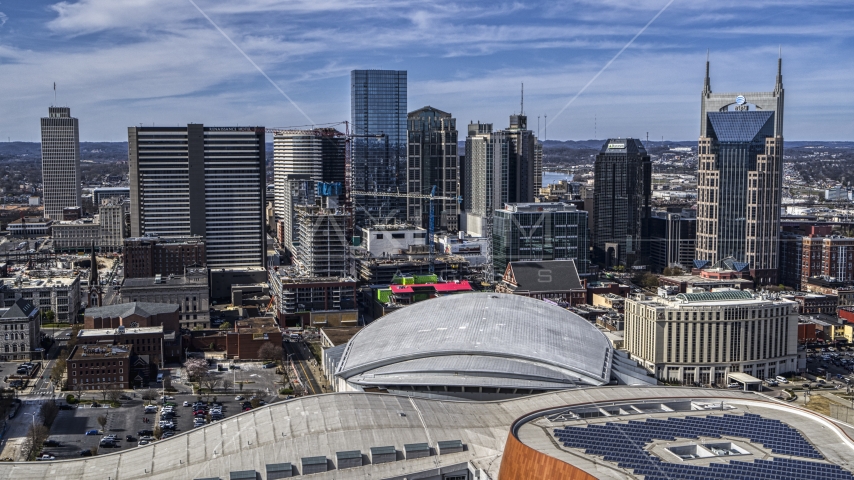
521,462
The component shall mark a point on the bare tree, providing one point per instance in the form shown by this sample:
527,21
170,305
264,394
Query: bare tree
158,432
114,395
48,412
102,421
35,437
209,381
59,368
227,384
271,352
149,395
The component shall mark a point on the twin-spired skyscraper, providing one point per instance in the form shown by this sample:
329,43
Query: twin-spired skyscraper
740,177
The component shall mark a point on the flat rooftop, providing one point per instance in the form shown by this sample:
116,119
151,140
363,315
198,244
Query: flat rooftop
101,332
91,352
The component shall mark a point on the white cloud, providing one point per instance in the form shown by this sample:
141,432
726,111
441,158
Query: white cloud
3,19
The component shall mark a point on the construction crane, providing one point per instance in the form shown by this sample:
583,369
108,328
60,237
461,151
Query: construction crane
431,225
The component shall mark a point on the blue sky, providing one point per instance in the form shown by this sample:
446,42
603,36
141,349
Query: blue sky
124,62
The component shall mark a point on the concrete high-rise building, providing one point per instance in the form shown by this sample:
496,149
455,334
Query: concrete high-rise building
539,231
504,166
60,161
378,163
201,181
740,177
318,154
433,162
622,190
111,217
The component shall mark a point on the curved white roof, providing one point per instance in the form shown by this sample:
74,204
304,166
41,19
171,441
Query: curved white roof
479,339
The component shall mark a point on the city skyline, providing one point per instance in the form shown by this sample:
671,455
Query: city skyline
119,64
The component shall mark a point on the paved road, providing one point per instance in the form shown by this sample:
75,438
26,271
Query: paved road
301,356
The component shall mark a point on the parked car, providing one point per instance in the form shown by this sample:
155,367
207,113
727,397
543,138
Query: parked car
734,385
145,433
46,457
186,403
782,379
238,398
85,453
50,443
129,438
92,432
143,442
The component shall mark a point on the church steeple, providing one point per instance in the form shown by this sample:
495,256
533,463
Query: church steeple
96,294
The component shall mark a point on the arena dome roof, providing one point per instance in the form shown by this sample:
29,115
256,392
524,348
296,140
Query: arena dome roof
478,340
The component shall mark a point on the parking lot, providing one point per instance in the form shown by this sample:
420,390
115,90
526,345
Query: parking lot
70,427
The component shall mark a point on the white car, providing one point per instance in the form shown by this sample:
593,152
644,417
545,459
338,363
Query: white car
782,379
186,403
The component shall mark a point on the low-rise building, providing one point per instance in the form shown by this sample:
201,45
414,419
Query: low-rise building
21,335
133,315
91,367
604,287
250,335
30,226
76,235
389,240
555,280
152,341
56,290
707,280
295,296
814,303
610,301
189,291
703,337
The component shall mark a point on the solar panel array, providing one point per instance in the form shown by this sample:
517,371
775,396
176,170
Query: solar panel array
623,443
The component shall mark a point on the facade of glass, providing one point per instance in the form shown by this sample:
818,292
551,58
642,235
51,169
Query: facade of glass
378,107
60,162
432,149
539,231
622,193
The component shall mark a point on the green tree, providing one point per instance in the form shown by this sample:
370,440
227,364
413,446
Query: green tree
225,326
49,316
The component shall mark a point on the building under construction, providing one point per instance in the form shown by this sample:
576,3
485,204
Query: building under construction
381,271
323,246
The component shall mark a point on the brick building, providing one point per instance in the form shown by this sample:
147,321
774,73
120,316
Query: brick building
149,341
133,315
555,280
250,335
91,367
151,256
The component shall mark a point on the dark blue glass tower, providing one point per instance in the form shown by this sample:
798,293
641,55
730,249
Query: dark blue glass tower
378,164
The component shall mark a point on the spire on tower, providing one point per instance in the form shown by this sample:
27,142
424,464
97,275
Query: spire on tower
707,84
522,105
778,87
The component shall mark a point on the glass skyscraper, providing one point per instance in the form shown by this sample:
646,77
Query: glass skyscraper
378,164
60,162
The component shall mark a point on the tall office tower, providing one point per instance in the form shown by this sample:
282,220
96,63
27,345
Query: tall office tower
203,181
740,177
317,154
60,161
501,167
432,145
622,190
378,153
539,231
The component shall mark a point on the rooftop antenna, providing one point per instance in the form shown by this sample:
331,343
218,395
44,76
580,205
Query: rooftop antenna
546,125
54,93
522,105
538,126
707,84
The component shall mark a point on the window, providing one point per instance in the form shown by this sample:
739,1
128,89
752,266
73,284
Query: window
378,236
398,235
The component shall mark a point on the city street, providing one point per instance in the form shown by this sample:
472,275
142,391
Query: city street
300,355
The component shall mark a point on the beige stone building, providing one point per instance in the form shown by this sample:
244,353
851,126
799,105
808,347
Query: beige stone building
702,337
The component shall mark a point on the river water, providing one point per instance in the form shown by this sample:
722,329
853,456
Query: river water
554,177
